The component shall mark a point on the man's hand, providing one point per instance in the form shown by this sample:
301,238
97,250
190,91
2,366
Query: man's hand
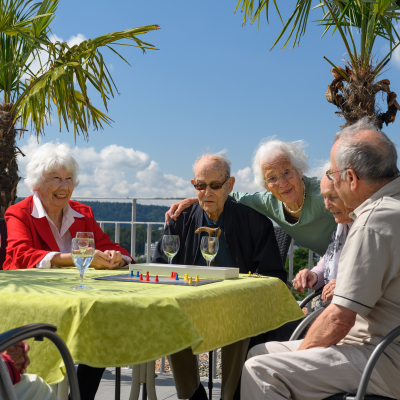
328,290
304,278
175,211
18,354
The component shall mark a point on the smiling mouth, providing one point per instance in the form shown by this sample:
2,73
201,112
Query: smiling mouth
287,191
60,196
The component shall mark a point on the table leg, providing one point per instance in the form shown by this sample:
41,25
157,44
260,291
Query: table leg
144,391
210,375
117,383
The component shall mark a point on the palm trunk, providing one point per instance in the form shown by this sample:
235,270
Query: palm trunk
8,159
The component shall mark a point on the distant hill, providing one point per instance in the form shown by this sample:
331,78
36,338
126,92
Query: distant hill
108,211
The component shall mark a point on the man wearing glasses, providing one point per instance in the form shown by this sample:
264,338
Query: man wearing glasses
366,303
247,242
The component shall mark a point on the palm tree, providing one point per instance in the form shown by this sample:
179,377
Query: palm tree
59,81
355,87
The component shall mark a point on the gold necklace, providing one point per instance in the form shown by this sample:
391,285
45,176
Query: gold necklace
302,204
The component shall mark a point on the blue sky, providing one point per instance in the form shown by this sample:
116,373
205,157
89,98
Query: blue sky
213,84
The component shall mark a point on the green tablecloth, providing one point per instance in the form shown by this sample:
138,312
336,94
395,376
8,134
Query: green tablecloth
120,323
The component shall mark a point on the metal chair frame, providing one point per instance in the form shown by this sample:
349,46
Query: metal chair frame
38,332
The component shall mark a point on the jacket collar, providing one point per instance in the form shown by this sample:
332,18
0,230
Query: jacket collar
42,222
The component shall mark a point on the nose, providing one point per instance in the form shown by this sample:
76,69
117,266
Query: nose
282,182
328,204
208,191
63,183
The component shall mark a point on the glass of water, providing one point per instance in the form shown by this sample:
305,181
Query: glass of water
209,248
82,253
170,245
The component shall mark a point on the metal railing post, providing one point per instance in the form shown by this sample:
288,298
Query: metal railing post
149,226
133,229
162,366
117,232
102,226
291,250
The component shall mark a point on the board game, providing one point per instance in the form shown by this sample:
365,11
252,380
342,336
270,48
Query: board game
174,279
219,273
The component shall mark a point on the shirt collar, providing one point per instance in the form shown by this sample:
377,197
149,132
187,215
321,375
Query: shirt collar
388,190
38,210
219,223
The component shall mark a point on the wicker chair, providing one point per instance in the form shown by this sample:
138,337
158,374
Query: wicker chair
3,232
283,240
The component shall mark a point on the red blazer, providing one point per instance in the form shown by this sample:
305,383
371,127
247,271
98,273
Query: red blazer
30,239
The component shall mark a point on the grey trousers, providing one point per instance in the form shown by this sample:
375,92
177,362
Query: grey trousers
185,369
276,370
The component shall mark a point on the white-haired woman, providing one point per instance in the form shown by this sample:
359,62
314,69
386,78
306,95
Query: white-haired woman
40,229
292,200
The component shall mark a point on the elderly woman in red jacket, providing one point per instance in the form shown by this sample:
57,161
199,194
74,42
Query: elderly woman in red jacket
40,229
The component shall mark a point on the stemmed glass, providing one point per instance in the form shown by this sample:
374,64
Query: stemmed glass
82,254
170,244
209,248
84,243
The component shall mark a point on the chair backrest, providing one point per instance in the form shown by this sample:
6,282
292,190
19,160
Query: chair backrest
283,240
3,232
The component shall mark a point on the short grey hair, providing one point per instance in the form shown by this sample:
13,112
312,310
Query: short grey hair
220,156
46,158
271,148
371,160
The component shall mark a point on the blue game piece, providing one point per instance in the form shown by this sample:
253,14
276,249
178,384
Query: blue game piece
176,277
131,273
137,275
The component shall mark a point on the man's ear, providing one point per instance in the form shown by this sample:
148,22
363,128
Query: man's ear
352,179
192,181
231,182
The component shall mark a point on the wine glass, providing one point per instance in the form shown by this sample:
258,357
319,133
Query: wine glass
82,254
84,243
209,248
170,244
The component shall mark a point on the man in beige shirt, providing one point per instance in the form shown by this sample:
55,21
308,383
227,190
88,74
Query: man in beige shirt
366,302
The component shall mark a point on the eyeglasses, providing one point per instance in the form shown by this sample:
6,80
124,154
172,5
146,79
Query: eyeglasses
274,180
330,174
213,186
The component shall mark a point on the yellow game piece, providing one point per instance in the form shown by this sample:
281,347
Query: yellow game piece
249,273
190,281
197,278
186,277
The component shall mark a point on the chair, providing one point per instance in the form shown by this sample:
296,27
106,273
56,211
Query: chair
362,388
3,233
40,331
283,240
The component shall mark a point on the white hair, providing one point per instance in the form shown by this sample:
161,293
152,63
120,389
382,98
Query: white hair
320,170
220,156
46,158
372,160
269,149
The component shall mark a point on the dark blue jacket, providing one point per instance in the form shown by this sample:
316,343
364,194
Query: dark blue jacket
249,235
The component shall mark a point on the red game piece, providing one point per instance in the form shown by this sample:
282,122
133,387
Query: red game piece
172,275
156,280
147,274
141,277
147,278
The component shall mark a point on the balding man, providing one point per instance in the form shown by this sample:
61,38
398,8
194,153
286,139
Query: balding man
366,303
247,242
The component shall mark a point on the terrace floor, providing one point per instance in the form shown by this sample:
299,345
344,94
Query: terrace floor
165,388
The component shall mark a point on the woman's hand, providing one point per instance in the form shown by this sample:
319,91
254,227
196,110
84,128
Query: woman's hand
18,354
105,260
175,211
304,278
328,290
116,258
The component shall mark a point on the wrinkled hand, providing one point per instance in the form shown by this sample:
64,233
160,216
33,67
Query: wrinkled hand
304,278
175,211
19,355
103,260
116,258
328,290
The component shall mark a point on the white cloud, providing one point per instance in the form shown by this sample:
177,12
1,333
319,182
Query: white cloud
115,171
396,52
245,181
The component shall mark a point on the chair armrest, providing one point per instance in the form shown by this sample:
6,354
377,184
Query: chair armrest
306,321
40,331
373,360
310,297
